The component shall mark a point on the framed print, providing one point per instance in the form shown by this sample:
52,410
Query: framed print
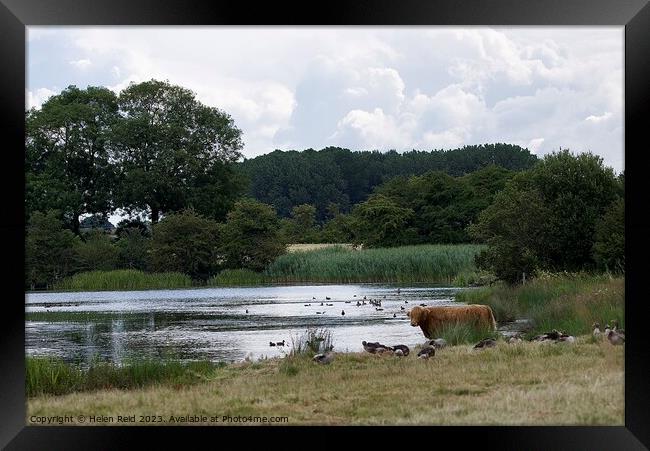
370,215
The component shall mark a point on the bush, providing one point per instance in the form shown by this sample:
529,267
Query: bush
185,242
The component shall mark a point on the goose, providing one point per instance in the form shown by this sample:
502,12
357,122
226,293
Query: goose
486,343
385,350
379,309
307,305
327,298
342,312
319,313
373,348
364,298
406,302
423,305
401,307
394,315
564,338
596,333
354,296
271,343
554,335
438,343
358,304
321,304
329,305
324,359
246,310
607,329
615,338
347,302
280,343
616,329
426,352
399,290
313,297
402,348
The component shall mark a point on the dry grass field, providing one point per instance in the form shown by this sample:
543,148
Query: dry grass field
518,384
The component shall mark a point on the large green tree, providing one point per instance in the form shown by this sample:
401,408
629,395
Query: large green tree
49,250
171,150
250,238
609,240
68,144
546,217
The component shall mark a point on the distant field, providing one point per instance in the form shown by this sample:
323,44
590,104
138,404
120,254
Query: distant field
303,247
521,384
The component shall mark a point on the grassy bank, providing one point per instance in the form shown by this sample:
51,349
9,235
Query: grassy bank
54,377
567,302
510,384
446,264
123,279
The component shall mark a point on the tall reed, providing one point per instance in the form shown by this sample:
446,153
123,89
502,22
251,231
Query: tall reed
123,279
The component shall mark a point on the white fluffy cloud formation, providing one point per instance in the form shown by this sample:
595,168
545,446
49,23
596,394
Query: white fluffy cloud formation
367,87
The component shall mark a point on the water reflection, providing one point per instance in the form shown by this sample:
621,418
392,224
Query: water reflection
218,324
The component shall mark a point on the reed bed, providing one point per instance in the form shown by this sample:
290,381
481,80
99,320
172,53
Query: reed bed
567,302
123,279
406,264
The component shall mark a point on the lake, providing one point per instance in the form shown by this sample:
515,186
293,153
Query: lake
212,324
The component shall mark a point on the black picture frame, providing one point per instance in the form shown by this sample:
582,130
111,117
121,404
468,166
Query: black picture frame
634,15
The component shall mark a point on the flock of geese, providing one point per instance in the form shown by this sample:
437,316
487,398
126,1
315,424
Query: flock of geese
613,334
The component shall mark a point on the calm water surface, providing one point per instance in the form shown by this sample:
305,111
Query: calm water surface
213,324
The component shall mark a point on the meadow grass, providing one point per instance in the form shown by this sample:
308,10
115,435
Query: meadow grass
567,302
458,333
46,375
505,385
123,279
406,264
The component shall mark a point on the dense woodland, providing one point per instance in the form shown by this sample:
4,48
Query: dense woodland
345,178
175,165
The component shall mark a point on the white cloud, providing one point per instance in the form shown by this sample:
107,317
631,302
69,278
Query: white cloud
37,98
371,87
596,119
81,64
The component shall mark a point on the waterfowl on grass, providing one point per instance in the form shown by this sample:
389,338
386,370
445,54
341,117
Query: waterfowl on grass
486,343
375,348
596,333
616,329
402,348
324,359
426,352
438,343
615,338
553,335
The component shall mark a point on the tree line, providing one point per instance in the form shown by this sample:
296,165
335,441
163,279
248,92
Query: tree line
343,177
154,150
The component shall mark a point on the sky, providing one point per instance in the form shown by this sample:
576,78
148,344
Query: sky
364,88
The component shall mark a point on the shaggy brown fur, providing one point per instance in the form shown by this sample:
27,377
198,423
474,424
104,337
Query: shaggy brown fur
432,319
